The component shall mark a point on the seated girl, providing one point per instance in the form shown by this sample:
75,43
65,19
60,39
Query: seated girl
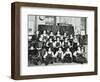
65,44
67,56
50,43
79,57
58,55
36,58
49,57
57,44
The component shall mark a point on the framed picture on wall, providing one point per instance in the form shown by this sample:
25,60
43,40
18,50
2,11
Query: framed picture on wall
51,40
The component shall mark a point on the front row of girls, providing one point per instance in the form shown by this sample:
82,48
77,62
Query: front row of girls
59,56
64,57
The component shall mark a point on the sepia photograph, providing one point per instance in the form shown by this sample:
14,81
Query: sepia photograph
57,40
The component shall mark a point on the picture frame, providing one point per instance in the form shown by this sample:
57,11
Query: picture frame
21,10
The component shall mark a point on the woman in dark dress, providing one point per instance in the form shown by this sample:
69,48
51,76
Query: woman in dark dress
75,45
50,43
36,36
65,44
67,57
58,55
49,57
57,44
79,56
36,58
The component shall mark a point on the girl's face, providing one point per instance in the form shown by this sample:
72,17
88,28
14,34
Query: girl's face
57,39
51,33
50,39
32,48
60,49
70,35
44,32
49,49
64,34
78,43
68,49
40,38
58,32
69,43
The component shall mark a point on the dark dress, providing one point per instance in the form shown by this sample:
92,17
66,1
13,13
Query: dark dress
74,47
58,45
45,38
36,58
65,46
71,41
35,37
44,45
80,58
50,44
49,59
67,59
58,59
